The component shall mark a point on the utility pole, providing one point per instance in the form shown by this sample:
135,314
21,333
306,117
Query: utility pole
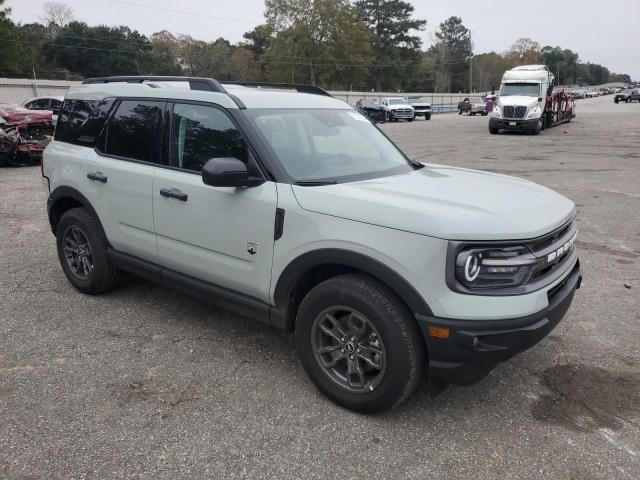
470,58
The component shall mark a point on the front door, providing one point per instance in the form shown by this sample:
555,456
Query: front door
221,235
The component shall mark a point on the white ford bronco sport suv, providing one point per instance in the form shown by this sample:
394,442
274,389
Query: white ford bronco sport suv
285,204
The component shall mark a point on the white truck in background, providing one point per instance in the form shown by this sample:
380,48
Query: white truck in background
397,108
522,100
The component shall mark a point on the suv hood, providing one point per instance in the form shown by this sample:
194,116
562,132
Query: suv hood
445,202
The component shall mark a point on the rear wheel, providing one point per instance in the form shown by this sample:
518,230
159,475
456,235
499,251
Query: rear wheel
82,251
358,344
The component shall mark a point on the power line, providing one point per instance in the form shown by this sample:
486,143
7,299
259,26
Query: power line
183,12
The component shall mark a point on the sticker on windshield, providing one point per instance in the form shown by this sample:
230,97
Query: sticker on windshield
358,116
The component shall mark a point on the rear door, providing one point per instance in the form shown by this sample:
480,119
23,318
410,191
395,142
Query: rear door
119,174
221,235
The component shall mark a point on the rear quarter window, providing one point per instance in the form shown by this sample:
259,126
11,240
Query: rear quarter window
81,121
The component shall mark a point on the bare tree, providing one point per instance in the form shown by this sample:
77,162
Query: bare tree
56,13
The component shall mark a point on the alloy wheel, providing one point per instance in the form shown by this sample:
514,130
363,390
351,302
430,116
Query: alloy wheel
349,349
77,252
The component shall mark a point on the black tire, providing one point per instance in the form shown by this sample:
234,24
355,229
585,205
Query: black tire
427,117
403,352
459,111
411,119
493,131
102,276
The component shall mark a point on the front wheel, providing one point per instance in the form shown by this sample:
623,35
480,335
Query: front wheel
493,131
359,344
427,117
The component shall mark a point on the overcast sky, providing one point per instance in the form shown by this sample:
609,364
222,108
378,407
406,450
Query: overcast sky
601,32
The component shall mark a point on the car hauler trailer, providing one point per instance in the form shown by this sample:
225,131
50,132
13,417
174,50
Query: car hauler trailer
528,103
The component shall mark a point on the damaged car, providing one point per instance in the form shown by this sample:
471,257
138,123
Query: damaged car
24,134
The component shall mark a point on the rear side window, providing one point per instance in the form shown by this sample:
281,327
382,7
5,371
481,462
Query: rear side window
133,131
81,121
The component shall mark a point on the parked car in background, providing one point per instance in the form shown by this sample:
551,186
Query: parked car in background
634,96
622,96
372,110
24,134
54,104
421,108
472,106
397,108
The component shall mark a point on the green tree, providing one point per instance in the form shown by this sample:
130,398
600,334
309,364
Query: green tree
394,46
99,50
317,41
524,51
9,64
451,54
259,39
488,69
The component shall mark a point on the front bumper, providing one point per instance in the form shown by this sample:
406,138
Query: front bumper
514,125
474,347
401,115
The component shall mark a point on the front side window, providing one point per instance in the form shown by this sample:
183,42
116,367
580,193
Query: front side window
520,89
200,133
327,145
133,131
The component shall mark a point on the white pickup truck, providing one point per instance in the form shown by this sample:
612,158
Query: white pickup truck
397,108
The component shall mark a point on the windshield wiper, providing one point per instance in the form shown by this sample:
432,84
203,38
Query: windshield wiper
315,183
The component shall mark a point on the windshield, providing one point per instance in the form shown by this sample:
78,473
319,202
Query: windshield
396,101
328,145
521,89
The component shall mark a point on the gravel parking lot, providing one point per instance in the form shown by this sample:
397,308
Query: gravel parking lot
145,383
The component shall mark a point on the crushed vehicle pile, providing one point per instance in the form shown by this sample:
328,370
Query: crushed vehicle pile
24,134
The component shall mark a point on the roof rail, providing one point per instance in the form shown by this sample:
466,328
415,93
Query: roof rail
301,88
195,83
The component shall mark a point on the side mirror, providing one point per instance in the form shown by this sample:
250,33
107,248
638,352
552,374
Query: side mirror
228,172
539,99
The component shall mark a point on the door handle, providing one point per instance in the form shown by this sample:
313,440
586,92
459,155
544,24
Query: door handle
97,177
174,193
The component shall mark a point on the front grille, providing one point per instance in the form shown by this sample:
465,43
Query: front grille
551,242
514,112
403,111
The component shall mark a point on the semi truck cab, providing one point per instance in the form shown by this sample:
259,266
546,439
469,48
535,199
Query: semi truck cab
522,99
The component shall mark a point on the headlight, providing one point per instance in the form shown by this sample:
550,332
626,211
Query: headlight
535,112
507,268
496,112
485,268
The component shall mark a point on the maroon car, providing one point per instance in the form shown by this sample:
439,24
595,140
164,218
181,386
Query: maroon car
24,134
